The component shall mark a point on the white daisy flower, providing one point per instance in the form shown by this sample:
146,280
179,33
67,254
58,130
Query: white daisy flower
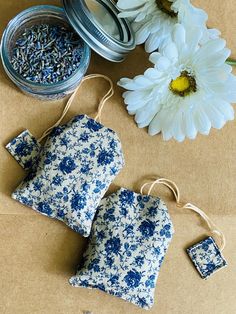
153,20
189,89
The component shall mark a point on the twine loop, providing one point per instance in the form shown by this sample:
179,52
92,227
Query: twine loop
176,192
101,104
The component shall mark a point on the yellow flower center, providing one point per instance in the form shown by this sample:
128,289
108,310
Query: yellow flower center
183,85
165,6
180,84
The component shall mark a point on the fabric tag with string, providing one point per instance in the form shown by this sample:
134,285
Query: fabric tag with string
206,255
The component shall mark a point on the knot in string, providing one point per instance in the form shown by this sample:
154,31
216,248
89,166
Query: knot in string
175,190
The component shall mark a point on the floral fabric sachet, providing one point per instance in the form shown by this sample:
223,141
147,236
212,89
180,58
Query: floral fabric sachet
25,149
74,169
129,238
207,257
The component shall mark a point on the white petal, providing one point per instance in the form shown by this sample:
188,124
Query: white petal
189,125
167,120
142,115
142,81
135,106
202,121
141,16
136,96
154,57
126,83
225,109
146,114
179,35
196,16
163,122
214,115
155,127
127,14
162,64
141,35
230,89
214,74
214,33
131,113
177,126
170,51
152,74
210,48
224,89
211,59
193,37
152,43
127,5
215,44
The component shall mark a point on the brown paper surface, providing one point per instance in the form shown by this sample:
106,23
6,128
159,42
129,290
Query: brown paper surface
38,255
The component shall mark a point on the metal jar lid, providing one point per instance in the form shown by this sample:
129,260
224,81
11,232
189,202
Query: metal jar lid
97,22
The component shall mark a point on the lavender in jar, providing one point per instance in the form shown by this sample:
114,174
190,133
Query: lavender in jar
47,54
42,54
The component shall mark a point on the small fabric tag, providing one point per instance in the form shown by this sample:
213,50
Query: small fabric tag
206,257
25,149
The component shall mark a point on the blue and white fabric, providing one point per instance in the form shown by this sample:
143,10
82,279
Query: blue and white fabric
73,171
129,239
207,257
25,149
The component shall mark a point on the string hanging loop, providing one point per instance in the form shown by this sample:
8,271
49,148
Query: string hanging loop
175,190
101,104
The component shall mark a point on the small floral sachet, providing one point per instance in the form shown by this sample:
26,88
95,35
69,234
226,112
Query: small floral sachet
206,257
25,149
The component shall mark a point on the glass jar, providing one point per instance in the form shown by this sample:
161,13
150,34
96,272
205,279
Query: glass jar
42,14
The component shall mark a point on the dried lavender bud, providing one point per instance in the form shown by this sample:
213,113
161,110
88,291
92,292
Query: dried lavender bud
47,54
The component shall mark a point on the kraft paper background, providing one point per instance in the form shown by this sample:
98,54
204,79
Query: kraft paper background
38,255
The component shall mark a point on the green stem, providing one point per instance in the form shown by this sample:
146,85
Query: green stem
231,61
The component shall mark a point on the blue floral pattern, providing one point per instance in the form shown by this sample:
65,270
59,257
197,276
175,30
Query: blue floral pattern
25,149
206,257
73,171
127,247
